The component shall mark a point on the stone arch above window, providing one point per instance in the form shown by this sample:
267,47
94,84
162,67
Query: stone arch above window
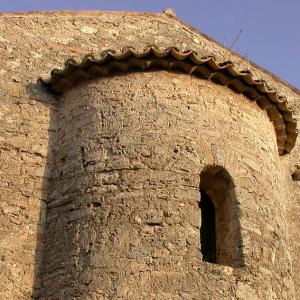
220,232
172,59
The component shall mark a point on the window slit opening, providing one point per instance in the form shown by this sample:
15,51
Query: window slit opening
208,229
220,232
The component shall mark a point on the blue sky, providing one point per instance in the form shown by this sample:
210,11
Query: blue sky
270,28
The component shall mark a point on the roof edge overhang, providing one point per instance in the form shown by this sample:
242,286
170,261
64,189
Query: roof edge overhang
189,62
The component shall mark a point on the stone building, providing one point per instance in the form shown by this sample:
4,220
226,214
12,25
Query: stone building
165,168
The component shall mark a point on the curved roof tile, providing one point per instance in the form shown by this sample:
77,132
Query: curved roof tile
189,62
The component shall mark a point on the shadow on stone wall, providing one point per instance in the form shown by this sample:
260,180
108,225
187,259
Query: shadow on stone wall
38,93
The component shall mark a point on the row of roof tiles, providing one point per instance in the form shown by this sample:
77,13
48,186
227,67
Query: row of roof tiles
224,73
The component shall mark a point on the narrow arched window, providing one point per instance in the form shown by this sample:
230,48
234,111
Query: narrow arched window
220,234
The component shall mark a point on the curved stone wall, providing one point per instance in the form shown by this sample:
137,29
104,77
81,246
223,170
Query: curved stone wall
189,62
123,218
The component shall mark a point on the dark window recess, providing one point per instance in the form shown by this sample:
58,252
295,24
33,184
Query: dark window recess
208,229
220,232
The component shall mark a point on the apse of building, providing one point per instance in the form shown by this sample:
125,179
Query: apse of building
151,163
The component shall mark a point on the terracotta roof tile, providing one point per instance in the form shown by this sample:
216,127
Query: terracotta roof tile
189,62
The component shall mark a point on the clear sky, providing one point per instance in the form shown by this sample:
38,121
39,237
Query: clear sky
270,29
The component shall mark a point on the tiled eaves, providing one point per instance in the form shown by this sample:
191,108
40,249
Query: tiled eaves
151,58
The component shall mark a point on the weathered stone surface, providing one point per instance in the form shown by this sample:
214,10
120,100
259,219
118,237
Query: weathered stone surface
116,162
126,219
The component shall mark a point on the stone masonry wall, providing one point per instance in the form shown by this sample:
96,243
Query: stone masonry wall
33,44
123,219
24,133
